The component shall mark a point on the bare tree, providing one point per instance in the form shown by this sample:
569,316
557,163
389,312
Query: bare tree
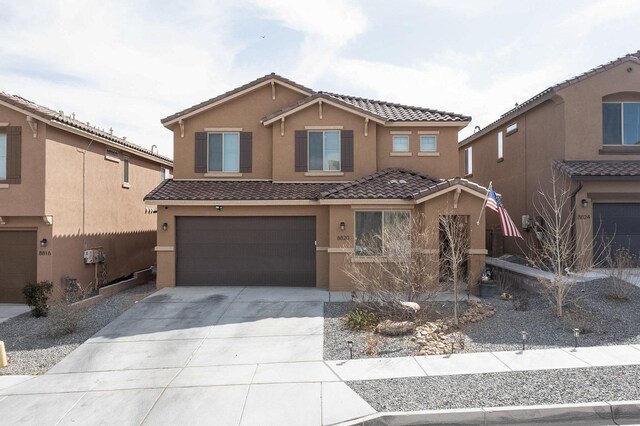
454,254
556,246
397,264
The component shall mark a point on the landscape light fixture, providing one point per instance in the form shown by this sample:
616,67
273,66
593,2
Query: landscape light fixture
524,339
452,339
43,242
165,226
350,345
576,334
585,203
342,226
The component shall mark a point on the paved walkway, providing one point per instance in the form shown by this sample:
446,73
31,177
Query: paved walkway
10,310
240,357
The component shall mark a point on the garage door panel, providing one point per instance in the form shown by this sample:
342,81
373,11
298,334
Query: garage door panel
18,264
617,224
245,251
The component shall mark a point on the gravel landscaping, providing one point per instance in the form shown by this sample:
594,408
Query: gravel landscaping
502,389
31,349
604,321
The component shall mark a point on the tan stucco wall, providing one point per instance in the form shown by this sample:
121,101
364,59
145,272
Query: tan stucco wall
364,147
242,112
444,165
26,198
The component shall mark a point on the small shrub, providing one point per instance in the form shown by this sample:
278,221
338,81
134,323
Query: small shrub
372,345
64,316
621,263
582,318
37,297
361,319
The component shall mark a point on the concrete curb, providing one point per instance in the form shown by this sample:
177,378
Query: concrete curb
139,278
592,413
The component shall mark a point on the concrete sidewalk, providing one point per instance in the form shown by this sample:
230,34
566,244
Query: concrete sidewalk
238,356
10,310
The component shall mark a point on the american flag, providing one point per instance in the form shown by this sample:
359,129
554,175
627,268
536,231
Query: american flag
509,229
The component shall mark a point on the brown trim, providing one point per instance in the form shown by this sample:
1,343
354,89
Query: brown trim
201,152
246,152
619,150
346,150
14,155
300,151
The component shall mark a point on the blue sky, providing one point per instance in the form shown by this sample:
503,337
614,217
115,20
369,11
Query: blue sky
125,64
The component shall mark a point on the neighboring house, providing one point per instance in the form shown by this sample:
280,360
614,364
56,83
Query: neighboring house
65,187
274,184
588,128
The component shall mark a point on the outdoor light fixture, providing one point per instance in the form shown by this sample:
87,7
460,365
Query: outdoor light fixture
585,203
165,226
342,226
350,345
524,339
576,334
219,208
43,242
452,339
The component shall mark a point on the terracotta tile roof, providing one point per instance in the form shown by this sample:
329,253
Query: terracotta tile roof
395,184
398,112
386,184
599,168
59,117
548,92
203,190
234,91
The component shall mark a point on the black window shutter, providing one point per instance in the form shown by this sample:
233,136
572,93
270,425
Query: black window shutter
301,150
246,146
201,152
14,154
346,150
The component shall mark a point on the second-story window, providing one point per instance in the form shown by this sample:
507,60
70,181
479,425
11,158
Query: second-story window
468,161
500,148
401,143
428,143
621,123
324,150
125,177
3,156
224,152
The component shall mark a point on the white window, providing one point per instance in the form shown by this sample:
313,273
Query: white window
374,227
500,145
324,150
512,128
125,177
223,152
3,156
468,161
112,154
428,143
164,174
401,143
621,123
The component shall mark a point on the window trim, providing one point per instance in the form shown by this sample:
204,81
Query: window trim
323,131
224,172
383,212
468,161
621,103
6,155
393,143
500,146
435,139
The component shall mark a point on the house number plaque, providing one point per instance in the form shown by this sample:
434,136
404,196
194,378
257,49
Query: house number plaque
343,238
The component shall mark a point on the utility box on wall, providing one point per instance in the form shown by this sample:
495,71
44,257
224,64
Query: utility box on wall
92,256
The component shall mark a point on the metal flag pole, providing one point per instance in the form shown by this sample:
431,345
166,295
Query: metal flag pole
484,204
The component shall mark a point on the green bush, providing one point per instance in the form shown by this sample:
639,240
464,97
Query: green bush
361,319
37,295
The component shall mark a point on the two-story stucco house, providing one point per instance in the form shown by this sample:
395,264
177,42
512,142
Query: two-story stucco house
588,128
275,184
66,187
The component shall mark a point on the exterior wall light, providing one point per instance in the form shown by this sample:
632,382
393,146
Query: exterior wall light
219,208
165,226
342,226
43,242
585,203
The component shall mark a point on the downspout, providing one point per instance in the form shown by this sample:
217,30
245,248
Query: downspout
84,194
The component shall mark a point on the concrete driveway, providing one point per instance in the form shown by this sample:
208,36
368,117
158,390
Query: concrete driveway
207,355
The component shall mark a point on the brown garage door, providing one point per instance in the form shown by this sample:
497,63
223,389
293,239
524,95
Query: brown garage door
17,263
246,251
617,225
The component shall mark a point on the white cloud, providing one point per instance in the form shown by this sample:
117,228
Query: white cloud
595,15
